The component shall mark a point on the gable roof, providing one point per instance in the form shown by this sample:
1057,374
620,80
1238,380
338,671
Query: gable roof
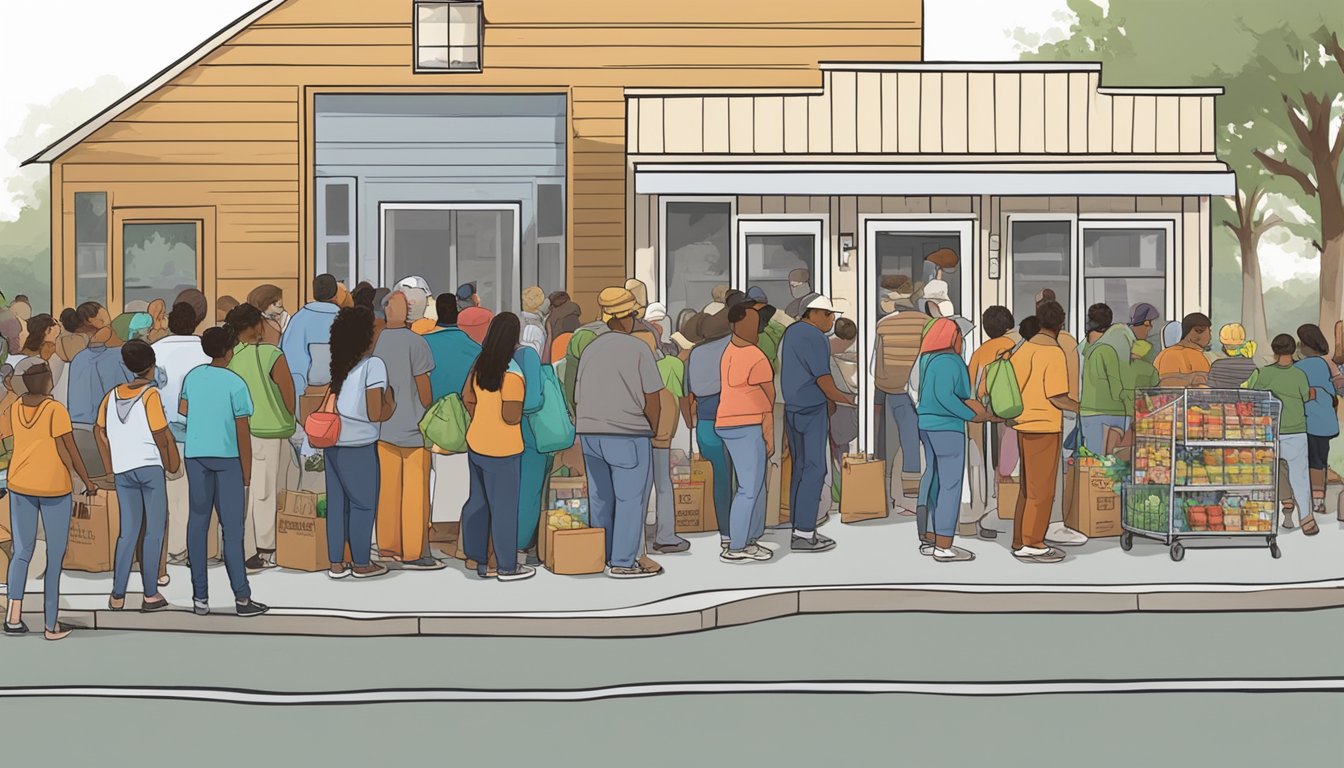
156,82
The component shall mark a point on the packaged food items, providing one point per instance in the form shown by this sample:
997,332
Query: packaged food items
570,515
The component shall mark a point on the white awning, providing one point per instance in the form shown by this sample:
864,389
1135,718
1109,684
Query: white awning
904,180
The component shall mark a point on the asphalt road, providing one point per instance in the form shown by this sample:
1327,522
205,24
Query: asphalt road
668,722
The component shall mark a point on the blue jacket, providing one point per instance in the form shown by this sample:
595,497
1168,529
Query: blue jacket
311,325
944,387
454,353
93,373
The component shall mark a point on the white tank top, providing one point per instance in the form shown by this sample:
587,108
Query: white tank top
128,433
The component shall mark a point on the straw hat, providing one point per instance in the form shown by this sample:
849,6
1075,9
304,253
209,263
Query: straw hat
617,302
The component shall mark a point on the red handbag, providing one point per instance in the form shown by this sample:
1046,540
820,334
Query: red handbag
323,426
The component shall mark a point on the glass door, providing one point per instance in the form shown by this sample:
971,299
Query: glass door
449,244
1127,263
1041,253
769,250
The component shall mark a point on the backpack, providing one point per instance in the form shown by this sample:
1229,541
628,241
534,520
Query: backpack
1003,393
445,424
323,426
551,426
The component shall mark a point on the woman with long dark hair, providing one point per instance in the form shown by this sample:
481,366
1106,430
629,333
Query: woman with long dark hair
363,400
494,396
1322,422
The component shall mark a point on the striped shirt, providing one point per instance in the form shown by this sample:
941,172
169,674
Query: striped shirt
898,339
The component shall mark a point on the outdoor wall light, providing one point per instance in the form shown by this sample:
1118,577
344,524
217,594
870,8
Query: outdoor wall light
993,257
846,248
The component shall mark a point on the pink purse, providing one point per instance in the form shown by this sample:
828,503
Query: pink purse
323,426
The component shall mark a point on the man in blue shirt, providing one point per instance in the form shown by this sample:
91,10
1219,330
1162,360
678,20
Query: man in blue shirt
310,326
454,354
93,373
217,405
810,395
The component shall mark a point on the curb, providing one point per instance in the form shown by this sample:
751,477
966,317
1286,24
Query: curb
717,610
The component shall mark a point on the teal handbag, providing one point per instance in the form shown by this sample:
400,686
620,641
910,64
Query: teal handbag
551,425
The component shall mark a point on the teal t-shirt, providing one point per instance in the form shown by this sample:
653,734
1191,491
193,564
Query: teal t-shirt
216,397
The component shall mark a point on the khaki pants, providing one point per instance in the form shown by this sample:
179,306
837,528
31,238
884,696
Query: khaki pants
269,456
403,501
1040,473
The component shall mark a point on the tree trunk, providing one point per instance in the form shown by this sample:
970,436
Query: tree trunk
1253,301
1332,282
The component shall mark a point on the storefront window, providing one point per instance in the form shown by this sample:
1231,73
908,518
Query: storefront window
1124,267
770,259
90,247
448,247
901,259
697,253
161,259
1042,253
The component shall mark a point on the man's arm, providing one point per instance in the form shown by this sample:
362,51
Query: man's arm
1065,403
424,390
653,409
284,381
688,410
76,464
167,451
104,450
380,403
833,394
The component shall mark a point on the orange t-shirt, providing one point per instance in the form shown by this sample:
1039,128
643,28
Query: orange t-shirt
1042,373
743,374
489,434
984,355
1175,365
36,468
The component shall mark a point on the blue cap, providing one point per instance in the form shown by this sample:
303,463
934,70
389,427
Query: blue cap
466,291
1142,313
756,293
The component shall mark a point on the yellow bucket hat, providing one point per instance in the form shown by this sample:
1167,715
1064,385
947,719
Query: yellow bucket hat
1233,338
617,302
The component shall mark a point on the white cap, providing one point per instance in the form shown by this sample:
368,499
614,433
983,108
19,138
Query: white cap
823,303
655,312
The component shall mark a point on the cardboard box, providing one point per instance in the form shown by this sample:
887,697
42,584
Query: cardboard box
300,535
863,481
95,523
703,472
576,552
692,517
1008,491
1092,505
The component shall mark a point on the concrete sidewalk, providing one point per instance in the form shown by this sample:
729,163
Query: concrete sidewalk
875,567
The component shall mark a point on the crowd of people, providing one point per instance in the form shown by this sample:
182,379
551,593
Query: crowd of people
190,418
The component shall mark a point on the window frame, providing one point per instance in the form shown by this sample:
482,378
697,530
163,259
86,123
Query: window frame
513,206
108,257
202,217
1076,312
663,262
1171,277
480,38
324,239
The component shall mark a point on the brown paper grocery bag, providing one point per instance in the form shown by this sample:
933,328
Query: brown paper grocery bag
863,492
95,522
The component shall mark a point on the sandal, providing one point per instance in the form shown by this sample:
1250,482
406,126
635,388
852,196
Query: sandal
1309,526
115,603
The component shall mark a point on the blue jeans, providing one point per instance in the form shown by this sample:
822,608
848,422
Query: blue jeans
142,495
809,436
940,486
1094,430
620,478
492,511
215,485
24,512
747,447
352,501
901,428
713,450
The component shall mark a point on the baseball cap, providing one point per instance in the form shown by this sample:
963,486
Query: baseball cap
757,294
1143,313
465,291
824,304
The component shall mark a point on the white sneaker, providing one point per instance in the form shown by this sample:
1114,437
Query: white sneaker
953,555
1038,555
926,550
1064,536
750,554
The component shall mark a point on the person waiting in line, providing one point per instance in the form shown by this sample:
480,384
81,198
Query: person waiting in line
361,396
945,408
896,350
1322,419
134,440
270,302
1105,374
403,462
672,372
40,342
745,423
454,354
1290,385
40,489
93,373
223,306
1183,364
1236,363
1043,377
616,393
800,288
534,466
493,396
217,406
176,356
270,384
77,327
700,410
996,321
1141,368
810,396
310,327
561,322
472,318
533,319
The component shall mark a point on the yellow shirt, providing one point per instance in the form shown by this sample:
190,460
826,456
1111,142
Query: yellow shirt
488,434
36,469
983,356
1176,365
1042,373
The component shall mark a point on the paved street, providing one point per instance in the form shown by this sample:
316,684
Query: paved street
999,652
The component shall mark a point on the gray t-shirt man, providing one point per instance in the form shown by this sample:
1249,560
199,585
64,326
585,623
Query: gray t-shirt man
616,371
406,355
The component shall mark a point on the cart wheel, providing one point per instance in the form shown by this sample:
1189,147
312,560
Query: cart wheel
1126,541
1177,551
1274,550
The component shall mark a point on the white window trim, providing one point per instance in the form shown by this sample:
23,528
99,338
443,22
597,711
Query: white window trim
661,265
352,239
1076,313
515,283
1170,224
870,225
480,39
817,225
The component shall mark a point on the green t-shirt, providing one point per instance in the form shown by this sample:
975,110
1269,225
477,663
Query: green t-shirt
1290,386
1103,382
253,363
1145,377
673,372
769,340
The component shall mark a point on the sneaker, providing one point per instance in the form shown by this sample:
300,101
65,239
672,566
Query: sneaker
423,564
257,564
988,534
1061,535
338,571
370,571
926,550
531,558
200,607
250,608
1038,555
151,606
823,519
817,543
642,569
16,629
953,555
681,545
752,553
518,574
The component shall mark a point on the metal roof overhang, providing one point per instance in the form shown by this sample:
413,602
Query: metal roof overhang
810,178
